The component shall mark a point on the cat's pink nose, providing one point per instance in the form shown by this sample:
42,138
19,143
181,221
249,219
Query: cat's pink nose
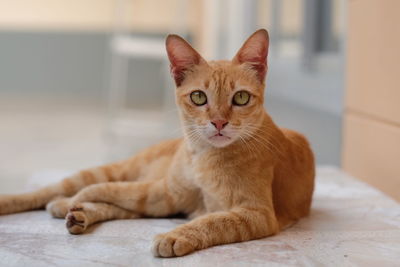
219,124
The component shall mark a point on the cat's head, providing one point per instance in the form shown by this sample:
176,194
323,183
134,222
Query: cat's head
221,102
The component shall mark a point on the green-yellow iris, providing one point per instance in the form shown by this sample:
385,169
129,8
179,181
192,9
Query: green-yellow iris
241,98
198,97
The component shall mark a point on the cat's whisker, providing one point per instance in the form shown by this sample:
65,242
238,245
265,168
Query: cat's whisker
267,144
245,144
253,137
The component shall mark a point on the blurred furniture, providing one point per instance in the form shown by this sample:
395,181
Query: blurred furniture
129,128
371,149
351,224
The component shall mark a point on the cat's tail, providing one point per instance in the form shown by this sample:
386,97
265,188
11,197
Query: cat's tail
27,201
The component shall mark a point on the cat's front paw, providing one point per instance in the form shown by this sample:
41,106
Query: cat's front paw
76,220
171,245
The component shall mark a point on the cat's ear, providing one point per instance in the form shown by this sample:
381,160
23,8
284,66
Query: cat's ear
254,52
182,57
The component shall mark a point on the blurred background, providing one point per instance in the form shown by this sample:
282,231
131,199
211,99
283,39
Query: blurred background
84,82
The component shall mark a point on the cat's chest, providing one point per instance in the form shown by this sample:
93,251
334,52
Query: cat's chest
217,184
227,182
212,203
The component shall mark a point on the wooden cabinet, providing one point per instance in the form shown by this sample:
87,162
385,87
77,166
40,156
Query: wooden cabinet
371,147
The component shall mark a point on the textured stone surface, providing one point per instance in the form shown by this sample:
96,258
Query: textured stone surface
350,224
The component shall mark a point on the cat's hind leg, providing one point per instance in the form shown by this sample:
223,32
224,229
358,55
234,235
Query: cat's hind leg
69,186
85,214
123,171
153,198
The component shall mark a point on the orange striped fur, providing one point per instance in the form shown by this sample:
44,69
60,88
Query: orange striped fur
234,173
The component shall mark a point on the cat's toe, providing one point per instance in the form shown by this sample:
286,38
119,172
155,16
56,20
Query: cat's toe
168,245
76,221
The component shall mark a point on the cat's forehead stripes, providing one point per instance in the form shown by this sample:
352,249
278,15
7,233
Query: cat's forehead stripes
232,84
220,81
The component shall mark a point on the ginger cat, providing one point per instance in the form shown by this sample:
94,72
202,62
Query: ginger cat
234,173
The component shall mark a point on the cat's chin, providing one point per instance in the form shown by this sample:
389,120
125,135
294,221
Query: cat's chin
220,140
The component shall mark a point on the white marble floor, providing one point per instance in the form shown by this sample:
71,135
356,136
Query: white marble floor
351,224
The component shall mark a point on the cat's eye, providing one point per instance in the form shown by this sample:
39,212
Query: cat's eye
198,97
241,98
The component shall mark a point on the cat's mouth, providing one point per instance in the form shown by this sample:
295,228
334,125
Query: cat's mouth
220,140
219,137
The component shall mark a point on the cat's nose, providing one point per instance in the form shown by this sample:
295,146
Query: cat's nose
219,124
